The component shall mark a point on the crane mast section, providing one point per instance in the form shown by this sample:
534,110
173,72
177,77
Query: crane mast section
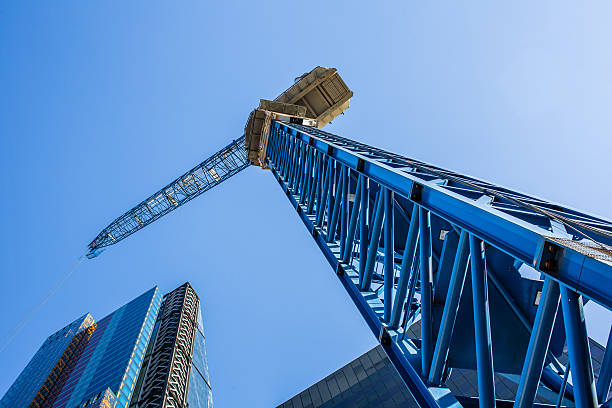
213,171
414,246
520,225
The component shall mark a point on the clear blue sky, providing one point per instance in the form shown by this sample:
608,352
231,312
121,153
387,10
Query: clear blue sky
104,102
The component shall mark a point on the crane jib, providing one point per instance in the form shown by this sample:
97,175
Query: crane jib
213,171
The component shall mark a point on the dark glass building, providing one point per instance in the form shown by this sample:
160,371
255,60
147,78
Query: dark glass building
150,350
372,381
175,371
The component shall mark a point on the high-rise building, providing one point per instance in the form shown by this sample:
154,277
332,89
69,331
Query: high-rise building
175,370
49,359
109,365
147,347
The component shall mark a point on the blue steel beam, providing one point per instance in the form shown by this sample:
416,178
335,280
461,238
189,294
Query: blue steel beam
389,254
363,229
482,326
468,205
405,269
426,292
578,349
605,372
367,302
451,307
538,345
374,240
350,236
581,259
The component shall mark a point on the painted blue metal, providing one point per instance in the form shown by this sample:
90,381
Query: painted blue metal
344,211
333,225
313,185
324,192
405,269
363,230
451,307
349,278
374,240
605,372
563,386
482,326
578,349
350,236
389,254
496,222
426,292
538,344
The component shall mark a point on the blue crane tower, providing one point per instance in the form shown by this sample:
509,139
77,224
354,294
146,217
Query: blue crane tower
416,245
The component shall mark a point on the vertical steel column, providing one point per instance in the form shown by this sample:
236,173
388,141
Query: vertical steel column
284,155
320,183
350,236
294,162
363,229
415,274
389,254
330,191
333,224
482,326
578,349
307,175
315,183
451,306
374,239
299,172
287,160
426,292
323,203
538,344
405,269
344,211
605,372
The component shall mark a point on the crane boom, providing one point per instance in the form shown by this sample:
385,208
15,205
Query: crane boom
214,170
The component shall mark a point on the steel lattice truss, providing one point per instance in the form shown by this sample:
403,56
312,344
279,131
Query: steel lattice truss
415,245
206,175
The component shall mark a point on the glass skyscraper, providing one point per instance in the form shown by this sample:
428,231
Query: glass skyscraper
103,364
175,371
32,378
113,357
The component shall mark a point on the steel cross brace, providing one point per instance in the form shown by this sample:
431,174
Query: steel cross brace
326,164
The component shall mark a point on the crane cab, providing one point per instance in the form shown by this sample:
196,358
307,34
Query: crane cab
315,98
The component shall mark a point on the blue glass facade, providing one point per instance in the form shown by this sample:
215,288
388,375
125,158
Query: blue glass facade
200,392
26,386
113,356
103,364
